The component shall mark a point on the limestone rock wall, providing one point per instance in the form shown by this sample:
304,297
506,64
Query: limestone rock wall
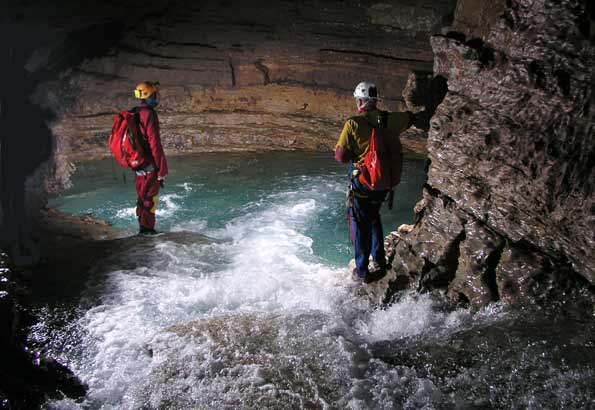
240,75
508,209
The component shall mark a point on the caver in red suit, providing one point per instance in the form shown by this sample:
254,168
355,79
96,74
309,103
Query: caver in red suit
150,178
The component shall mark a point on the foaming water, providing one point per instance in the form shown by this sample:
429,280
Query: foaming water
412,316
167,207
262,262
262,314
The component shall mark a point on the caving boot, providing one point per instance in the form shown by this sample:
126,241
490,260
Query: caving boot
143,231
374,276
355,277
371,276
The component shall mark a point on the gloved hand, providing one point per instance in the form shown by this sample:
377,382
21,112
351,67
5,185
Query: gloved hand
161,181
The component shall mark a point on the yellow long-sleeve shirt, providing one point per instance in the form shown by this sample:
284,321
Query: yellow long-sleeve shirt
357,131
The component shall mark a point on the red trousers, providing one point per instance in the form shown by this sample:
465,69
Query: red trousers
147,188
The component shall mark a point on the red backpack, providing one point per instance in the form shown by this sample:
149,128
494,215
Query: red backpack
128,145
383,163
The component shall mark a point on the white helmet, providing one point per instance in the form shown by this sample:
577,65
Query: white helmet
366,91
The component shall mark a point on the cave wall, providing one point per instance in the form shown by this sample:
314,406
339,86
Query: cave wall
26,144
234,75
508,209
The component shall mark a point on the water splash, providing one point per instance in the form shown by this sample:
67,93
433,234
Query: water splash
414,315
263,316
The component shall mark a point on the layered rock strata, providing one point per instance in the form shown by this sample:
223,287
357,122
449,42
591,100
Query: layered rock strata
507,212
237,75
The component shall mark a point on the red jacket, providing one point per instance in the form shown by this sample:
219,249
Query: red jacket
149,123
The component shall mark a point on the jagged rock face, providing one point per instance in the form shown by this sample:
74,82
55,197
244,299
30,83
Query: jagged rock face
509,203
243,75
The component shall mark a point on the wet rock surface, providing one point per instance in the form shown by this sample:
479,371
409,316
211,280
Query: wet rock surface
500,358
507,212
70,247
27,378
499,365
422,94
261,362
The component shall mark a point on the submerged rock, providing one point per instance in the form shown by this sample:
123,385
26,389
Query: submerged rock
412,355
249,361
519,360
507,212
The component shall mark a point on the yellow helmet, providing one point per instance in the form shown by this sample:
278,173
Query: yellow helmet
146,89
